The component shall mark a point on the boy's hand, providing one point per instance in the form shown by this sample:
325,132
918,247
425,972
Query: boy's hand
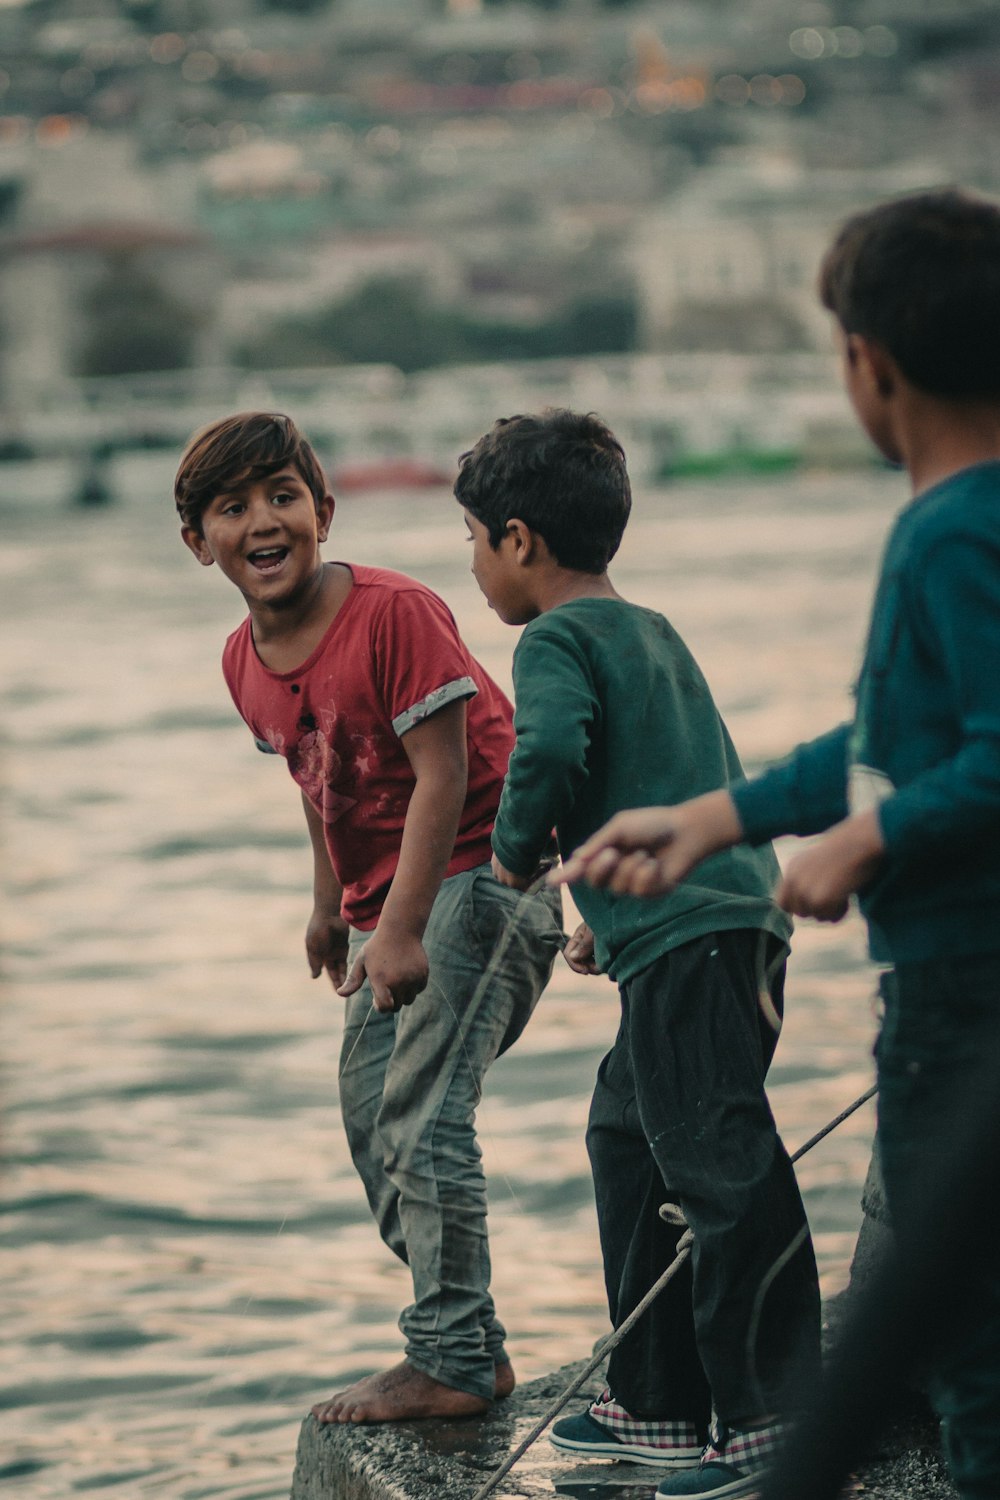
649,850
395,965
819,881
507,877
579,951
326,945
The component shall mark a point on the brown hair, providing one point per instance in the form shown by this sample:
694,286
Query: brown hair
920,275
247,446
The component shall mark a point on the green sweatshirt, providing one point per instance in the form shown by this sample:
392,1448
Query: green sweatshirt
924,747
611,711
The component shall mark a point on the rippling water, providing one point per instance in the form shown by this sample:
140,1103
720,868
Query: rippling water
188,1261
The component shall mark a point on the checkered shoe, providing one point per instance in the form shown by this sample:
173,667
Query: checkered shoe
607,1430
732,1464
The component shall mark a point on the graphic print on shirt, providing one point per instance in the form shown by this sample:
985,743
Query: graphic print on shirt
315,764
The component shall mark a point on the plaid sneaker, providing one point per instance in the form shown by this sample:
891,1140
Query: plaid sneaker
733,1463
607,1430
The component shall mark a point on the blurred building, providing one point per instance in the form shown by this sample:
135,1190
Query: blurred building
730,262
99,297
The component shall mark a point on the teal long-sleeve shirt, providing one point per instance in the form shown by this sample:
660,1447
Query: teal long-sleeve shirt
924,746
611,711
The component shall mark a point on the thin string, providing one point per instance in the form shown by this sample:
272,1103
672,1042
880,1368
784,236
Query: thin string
513,925
615,1337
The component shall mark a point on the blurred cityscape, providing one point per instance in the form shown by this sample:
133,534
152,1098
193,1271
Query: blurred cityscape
401,218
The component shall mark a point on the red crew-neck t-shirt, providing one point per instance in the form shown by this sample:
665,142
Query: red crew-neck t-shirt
391,657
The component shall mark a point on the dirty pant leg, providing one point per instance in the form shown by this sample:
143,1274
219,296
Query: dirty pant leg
941,1021
700,1043
409,1094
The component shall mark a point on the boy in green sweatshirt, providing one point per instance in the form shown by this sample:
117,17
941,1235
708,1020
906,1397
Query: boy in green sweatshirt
611,712
907,794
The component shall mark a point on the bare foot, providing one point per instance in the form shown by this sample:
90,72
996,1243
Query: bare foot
399,1395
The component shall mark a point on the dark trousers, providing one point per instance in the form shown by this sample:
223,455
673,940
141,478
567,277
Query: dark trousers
937,1063
679,1115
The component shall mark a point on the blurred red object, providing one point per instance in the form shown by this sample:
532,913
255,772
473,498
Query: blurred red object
389,474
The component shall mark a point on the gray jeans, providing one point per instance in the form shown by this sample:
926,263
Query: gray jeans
410,1083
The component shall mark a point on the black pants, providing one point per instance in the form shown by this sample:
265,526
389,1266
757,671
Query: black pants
937,1061
679,1115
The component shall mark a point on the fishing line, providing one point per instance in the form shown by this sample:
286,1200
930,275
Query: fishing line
464,1023
357,1042
524,907
611,1340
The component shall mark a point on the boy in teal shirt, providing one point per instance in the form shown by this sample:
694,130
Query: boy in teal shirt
910,790
610,704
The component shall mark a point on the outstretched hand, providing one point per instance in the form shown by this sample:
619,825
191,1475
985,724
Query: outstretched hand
649,850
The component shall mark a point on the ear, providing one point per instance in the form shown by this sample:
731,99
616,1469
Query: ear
324,515
873,363
525,541
196,543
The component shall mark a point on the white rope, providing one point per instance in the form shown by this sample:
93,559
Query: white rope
615,1337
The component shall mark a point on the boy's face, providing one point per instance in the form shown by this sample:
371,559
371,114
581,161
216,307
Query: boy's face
265,535
499,573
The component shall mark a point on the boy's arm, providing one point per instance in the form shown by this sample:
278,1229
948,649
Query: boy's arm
393,959
554,713
326,934
649,850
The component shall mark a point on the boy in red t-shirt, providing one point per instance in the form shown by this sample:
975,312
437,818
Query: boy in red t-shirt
399,742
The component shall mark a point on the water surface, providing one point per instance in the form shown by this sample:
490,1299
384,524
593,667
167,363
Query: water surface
187,1257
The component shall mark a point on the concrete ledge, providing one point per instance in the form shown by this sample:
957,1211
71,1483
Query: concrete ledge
452,1460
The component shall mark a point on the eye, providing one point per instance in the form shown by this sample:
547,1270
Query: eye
233,508
282,498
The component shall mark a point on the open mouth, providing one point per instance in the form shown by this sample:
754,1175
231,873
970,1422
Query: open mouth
267,559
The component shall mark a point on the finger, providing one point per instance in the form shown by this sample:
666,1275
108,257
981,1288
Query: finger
630,876
355,978
600,870
576,866
315,965
383,998
652,878
337,970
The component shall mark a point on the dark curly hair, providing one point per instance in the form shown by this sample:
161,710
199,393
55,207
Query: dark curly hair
562,473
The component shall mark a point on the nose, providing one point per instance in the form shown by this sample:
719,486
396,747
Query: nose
261,514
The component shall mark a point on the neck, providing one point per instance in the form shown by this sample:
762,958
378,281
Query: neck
938,439
313,607
562,584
